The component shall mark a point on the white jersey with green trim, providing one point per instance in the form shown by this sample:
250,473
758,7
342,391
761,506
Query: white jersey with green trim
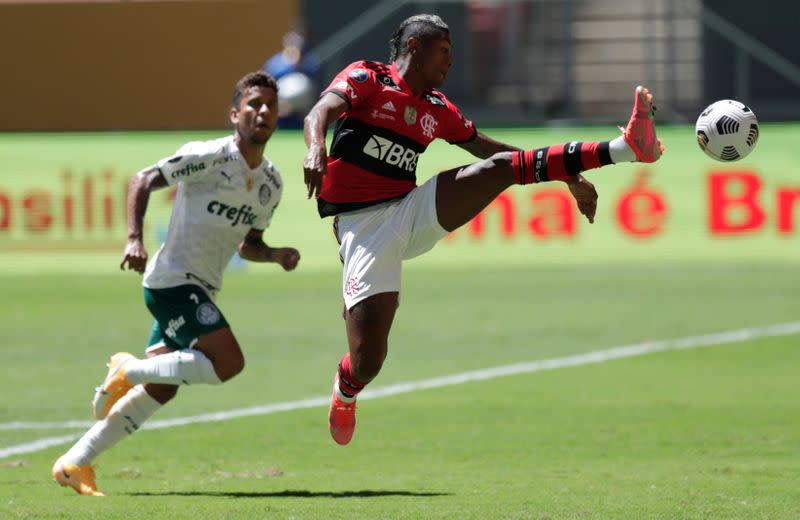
219,199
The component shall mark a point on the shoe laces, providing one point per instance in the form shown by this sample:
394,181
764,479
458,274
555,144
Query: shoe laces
345,407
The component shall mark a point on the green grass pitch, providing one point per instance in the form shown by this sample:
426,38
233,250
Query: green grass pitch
698,433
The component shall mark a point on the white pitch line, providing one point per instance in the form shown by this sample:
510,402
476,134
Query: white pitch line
37,445
597,356
32,425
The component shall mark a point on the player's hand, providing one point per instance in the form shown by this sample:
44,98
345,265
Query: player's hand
135,256
287,257
314,168
585,195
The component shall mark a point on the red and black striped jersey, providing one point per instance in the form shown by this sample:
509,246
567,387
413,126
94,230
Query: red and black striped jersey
377,140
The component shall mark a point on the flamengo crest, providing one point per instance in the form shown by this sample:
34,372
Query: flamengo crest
428,124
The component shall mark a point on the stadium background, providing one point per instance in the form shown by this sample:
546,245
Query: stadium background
95,90
88,66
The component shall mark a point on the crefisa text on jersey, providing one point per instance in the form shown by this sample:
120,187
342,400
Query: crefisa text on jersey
189,168
243,213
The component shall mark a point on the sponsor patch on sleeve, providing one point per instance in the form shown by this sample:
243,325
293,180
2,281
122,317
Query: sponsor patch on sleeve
359,75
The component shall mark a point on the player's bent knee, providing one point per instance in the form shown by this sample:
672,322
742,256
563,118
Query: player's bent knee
161,393
229,366
222,349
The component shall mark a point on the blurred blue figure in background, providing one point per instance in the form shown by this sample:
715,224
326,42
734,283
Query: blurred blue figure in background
296,70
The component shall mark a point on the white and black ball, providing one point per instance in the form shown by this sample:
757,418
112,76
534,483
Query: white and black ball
727,130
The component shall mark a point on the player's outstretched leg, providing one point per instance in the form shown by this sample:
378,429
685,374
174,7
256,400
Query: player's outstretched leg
563,162
462,193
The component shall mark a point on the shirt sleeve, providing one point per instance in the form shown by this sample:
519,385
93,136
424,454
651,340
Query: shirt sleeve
191,163
456,128
355,84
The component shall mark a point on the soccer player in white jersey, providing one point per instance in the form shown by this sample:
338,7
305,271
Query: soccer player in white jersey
227,194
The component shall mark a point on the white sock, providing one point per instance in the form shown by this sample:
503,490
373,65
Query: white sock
620,151
125,417
182,367
343,398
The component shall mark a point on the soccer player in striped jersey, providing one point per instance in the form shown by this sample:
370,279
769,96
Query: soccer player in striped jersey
385,117
227,192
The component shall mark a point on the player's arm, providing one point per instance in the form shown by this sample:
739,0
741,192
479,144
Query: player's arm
254,249
326,111
483,146
139,189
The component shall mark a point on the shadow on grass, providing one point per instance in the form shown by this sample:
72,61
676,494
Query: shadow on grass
289,494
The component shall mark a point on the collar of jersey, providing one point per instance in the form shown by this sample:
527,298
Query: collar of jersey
233,149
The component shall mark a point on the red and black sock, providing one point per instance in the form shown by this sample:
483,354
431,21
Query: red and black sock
349,386
559,162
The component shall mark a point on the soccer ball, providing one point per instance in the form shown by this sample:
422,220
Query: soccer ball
727,130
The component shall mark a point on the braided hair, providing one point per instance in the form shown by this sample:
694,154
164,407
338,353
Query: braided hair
420,26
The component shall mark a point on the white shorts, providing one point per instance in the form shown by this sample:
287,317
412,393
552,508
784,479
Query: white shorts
375,240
